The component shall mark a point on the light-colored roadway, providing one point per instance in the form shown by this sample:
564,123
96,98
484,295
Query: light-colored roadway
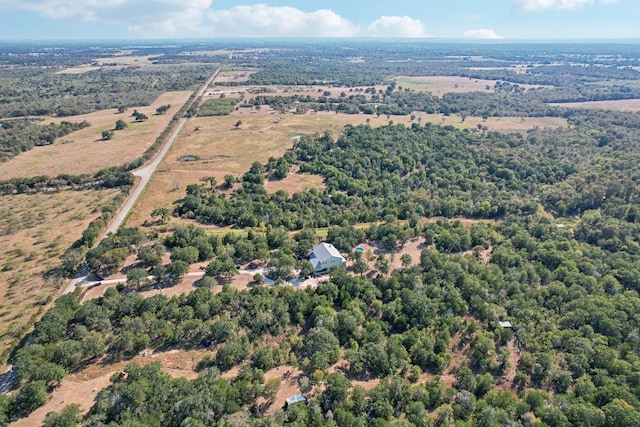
145,173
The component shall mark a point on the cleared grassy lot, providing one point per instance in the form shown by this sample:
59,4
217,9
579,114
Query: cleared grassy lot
439,85
617,105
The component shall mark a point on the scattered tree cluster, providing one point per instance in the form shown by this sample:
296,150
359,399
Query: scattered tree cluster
17,136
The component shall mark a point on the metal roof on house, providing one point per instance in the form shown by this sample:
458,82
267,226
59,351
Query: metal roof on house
324,251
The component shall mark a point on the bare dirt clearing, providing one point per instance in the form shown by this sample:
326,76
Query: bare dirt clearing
617,105
30,246
83,151
295,182
82,387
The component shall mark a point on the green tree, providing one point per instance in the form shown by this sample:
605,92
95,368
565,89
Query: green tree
406,260
222,267
177,269
360,266
151,255
188,254
382,264
163,109
31,396
141,117
281,265
209,179
305,267
322,348
137,277
120,124
107,135
163,213
69,417
229,180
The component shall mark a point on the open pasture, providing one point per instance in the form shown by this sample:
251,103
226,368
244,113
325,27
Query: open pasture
111,62
30,246
616,105
84,151
439,85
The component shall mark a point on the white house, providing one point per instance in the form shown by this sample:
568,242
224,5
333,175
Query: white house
324,256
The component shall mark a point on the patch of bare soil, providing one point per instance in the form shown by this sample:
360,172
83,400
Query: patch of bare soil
72,390
82,387
295,182
514,360
371,250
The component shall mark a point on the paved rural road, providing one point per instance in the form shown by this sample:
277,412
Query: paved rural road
145,173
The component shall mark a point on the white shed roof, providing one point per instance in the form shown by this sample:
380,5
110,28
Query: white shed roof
505,324
295,399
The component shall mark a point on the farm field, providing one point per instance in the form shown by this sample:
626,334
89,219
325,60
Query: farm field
31,245
439,85
616,105
84,152
114,62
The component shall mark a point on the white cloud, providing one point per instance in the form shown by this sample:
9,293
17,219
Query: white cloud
193,18
535,5
481,33
397,26
265,21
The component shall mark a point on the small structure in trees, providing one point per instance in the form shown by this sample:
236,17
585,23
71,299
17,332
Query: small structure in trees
298,398
505,324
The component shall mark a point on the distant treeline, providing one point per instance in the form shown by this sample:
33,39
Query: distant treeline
65,95
17,136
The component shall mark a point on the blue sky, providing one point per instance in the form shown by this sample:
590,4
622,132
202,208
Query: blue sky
479,19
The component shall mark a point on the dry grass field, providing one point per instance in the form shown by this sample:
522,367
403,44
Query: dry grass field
498,124
221,149
295,182
35,230
83,151
234,75
439,85
113,62
617,105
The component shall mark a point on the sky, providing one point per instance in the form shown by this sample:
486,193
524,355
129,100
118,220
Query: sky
453,19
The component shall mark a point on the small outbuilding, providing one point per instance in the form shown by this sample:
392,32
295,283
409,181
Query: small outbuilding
298,398
505,324
325,256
